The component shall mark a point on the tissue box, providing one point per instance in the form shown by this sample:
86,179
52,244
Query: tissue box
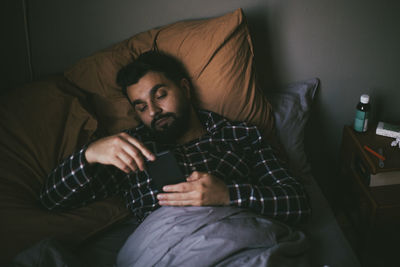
387,129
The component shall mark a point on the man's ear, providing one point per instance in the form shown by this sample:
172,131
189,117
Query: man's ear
185,85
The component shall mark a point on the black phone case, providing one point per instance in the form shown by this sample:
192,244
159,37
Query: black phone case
164,170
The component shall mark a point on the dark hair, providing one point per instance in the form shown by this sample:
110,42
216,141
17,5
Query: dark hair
155,61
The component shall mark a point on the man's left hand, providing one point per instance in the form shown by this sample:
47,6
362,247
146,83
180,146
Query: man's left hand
201,189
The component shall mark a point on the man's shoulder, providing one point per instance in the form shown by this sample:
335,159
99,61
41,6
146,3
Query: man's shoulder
235,129
143,134
140,132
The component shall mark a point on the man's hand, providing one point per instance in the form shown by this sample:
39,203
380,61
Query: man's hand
121,150
201,189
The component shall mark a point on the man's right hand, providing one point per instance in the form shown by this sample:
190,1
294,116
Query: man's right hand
122,150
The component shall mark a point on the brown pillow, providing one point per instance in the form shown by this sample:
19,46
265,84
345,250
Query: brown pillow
218,54
39,126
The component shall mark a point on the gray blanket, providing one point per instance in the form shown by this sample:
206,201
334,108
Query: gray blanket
212,236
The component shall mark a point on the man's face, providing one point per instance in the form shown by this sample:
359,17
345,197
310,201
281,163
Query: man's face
161,105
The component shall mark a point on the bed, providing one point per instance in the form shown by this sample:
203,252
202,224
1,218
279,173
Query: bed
43,122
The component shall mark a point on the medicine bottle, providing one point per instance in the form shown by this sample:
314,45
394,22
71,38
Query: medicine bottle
362,114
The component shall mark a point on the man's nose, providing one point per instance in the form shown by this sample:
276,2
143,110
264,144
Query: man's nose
154,109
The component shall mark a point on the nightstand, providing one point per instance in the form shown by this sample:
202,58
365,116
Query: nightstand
374,212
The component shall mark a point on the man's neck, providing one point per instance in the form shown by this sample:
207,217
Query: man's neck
195,130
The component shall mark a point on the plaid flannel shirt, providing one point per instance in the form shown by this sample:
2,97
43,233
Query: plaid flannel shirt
232,151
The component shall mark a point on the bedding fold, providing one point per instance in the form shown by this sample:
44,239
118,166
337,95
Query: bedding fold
212,236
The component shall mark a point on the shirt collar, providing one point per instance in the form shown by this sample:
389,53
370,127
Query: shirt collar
211,120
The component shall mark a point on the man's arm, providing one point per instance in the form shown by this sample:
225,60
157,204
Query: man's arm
274,192
94,172
271,191
75,183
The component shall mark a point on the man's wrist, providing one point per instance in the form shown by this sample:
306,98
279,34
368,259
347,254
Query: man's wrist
87,156
84,156
233,194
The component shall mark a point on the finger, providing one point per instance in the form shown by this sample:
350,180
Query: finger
175,196
145,151
135,155
192,178
195,175
128,161
181,187
178,203
117,162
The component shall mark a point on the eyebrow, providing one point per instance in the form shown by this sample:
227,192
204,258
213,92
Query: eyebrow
152,93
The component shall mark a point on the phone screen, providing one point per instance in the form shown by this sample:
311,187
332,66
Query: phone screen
164,170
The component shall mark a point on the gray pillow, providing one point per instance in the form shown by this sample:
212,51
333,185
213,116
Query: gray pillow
291,109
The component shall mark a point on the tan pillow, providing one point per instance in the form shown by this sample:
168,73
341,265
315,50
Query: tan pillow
39,126
218,54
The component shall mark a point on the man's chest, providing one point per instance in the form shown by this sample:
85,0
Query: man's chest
226,160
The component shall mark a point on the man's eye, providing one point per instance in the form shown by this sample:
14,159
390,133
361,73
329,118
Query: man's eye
162,95
141,108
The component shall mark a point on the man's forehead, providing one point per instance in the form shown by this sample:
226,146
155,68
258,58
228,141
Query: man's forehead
147,85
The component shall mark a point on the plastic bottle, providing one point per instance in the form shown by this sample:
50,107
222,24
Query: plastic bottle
362,114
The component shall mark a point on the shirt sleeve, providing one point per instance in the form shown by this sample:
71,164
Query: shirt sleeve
75,183
272,191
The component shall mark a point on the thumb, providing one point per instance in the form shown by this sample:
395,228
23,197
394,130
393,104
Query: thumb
193,178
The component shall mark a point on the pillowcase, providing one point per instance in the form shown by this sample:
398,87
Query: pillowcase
218,54
40,125
291,110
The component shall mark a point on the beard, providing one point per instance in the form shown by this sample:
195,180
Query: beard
170,132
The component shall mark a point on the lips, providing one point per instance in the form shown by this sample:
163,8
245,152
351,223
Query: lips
162,121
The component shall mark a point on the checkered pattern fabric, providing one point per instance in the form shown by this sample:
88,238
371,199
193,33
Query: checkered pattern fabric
232,151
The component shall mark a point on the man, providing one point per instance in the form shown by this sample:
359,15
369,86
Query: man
225,163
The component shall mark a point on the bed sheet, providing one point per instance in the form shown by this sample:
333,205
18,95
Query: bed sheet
213,236
327,245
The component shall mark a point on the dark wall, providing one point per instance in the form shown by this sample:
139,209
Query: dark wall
13,53
352,46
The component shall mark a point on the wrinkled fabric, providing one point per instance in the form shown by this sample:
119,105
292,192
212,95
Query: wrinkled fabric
46,253
212,236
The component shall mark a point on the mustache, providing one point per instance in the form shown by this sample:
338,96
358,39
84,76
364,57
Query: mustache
161,116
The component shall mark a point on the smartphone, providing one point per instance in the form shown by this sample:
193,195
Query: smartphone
164,170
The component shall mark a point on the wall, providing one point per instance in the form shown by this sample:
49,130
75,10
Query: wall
352,46
13,53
